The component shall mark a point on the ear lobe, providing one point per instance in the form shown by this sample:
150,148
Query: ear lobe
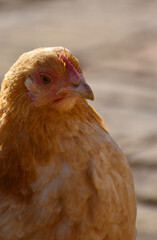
28,82
29,85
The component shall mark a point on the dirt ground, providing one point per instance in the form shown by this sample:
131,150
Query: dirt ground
116,44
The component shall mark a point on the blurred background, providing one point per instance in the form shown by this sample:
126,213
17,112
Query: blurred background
116,44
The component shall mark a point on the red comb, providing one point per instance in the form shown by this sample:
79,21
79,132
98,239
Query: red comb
74,74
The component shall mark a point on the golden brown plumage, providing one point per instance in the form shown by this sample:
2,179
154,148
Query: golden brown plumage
62,177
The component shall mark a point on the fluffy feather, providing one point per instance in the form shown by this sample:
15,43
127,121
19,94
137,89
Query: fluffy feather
62,177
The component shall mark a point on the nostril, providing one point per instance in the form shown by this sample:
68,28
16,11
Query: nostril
75,85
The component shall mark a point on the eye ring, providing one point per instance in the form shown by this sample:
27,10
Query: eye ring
45,79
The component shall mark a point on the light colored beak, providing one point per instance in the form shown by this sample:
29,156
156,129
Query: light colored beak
82,89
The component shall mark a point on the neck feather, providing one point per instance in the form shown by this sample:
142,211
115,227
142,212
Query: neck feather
30,141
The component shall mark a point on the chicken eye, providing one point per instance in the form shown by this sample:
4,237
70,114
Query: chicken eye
44,79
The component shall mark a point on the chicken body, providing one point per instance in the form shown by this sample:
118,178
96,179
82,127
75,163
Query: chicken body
62,176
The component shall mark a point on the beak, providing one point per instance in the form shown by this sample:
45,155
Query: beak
82,89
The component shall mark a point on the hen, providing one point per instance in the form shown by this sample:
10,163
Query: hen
62,177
